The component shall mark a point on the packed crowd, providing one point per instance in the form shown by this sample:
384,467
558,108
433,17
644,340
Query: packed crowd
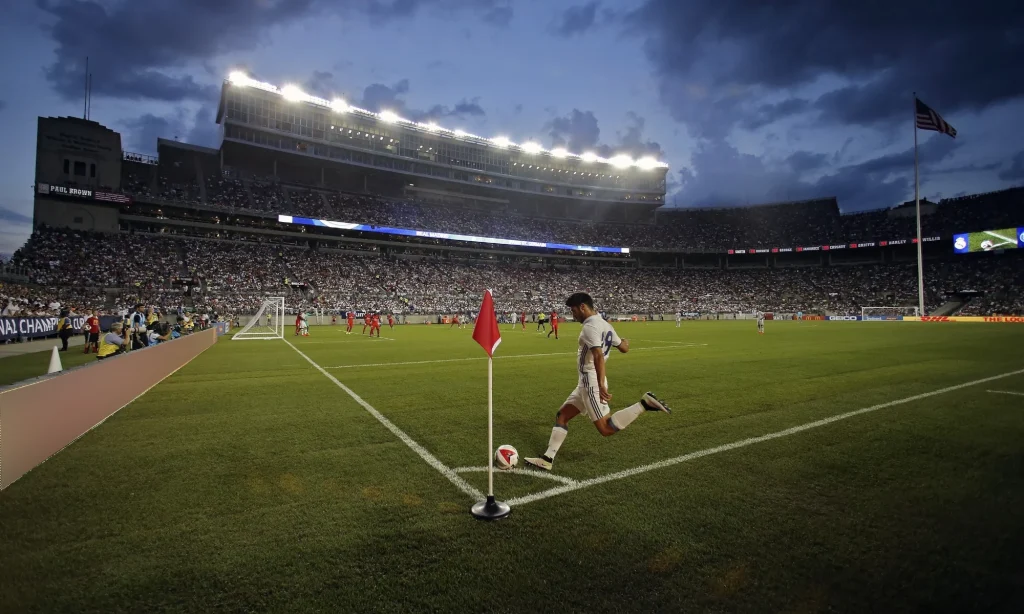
815,222
228,276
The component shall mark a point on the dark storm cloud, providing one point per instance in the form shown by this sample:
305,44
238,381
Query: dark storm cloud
494,12
766,114
958,55
140,50
141,133
13,217
804,161
379,97
1015,171
576,19
632,141
321,83
137,48
720,175
578,131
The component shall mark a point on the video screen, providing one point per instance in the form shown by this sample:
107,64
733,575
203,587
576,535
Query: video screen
988,240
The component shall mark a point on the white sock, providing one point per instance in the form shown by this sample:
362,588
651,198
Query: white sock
558,434
624,417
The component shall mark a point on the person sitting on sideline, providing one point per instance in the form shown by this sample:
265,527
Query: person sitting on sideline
112,343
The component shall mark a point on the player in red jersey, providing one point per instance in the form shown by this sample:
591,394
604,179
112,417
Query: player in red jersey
92,329
522,320
375,324
554,325
351,322
298,323
455,321
366,322
391,320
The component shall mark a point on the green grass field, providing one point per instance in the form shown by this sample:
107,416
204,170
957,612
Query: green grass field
250,481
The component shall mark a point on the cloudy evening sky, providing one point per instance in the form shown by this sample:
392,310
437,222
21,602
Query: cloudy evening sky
748,102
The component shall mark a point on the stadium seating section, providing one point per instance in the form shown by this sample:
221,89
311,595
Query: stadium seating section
229,270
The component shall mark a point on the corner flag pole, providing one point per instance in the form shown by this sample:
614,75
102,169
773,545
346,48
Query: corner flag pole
917,206
490,427
486,333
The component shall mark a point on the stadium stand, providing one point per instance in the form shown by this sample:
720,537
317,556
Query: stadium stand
199,229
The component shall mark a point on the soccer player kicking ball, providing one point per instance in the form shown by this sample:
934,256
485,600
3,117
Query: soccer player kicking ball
591,395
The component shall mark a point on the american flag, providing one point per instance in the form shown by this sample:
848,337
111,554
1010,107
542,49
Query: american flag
929,119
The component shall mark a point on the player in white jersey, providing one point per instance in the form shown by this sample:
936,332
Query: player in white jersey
591,397
760,322
679,319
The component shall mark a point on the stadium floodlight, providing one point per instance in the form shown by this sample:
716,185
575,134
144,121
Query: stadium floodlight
621,161
647,163
531,147
292,93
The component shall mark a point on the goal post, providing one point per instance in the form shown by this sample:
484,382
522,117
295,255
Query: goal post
883,313
268,323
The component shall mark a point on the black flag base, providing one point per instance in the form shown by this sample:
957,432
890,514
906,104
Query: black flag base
490,509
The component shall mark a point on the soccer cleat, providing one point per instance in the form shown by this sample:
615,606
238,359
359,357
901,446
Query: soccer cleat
651,403
540,462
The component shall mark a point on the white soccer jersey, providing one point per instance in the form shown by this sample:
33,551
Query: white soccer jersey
596,333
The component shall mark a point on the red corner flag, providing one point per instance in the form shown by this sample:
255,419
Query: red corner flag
485,332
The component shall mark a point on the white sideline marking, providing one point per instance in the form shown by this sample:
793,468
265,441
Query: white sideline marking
546,475
440,360
432,460
744,442
1019,394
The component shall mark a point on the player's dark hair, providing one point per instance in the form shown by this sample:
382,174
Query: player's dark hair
579,298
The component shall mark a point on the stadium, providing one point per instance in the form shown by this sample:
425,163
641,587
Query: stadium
860,455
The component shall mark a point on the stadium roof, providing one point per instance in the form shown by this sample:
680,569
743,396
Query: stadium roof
293,93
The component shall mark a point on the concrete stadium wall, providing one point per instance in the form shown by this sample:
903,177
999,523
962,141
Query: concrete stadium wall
40,417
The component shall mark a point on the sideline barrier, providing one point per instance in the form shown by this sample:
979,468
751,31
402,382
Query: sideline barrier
988,319
41,417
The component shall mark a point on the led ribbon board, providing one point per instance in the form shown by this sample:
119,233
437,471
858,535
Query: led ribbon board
426,234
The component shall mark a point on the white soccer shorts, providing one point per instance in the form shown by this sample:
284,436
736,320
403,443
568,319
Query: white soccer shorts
587,397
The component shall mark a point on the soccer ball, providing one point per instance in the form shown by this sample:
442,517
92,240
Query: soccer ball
987,245
506,457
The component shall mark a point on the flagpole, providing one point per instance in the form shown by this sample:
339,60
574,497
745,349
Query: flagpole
917,206
490,427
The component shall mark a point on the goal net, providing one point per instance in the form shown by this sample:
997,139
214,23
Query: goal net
883,313
268,323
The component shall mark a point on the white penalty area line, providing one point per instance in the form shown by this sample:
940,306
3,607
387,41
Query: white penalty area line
431,460
628,473
472,358
1017,394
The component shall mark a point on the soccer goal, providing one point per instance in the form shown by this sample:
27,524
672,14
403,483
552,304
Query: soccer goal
883,313
268,323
